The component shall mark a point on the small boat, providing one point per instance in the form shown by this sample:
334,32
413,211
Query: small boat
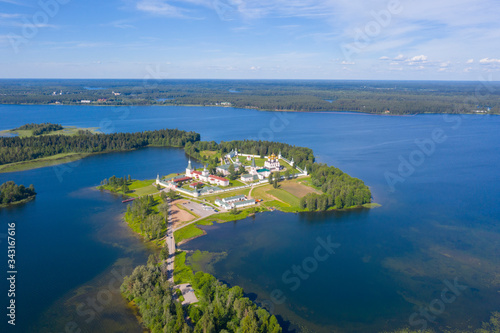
131,199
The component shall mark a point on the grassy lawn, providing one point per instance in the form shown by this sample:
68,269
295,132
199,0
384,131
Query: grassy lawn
298,188
260,192
137,188
307,181
235,183
182,272
285,196
188,232
209,153
171,175
42,162
228,217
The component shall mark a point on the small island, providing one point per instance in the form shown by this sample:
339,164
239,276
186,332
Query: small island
12,194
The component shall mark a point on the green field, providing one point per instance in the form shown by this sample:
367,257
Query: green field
235,183
182,272
285,196
137,188
188,232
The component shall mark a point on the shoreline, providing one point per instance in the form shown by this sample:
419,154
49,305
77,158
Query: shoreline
59,159
259,109
33,197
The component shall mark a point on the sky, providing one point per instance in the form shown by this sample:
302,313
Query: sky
254,39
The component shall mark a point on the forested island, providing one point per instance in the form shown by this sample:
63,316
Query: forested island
377,97
11,194
26,151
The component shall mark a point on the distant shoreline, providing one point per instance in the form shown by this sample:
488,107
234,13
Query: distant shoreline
256,109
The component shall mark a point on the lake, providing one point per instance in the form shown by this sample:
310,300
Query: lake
435,176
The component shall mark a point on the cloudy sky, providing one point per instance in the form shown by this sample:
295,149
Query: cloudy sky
268,39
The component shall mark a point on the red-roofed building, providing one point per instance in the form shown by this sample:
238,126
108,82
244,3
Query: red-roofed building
193,185
183,179
218,180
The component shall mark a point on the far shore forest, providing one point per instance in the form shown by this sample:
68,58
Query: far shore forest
376,97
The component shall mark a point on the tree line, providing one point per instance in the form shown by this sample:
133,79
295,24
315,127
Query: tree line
144,219
38,129
16,149
11,193
398,97
220,309
115,184
339,189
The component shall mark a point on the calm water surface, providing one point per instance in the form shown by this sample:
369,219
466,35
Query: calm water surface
440,222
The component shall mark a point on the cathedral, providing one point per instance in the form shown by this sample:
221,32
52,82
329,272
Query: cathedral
272,163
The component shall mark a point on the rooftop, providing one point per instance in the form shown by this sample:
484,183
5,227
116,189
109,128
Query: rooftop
236,197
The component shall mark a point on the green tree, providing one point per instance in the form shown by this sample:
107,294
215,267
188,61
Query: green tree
163,208
232,172
275,182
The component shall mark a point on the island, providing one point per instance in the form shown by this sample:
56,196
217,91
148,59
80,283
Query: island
12,194
52,145
238,179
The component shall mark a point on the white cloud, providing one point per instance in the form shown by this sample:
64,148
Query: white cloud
470,61
348,63
489,61
399,58
9,16
160,7
420,58
384,58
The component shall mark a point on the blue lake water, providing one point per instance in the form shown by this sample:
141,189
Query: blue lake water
439,221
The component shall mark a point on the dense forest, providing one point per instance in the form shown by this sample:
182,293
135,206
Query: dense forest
16,149
11,193
38,129
220,309
339,189
144,219
398,97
